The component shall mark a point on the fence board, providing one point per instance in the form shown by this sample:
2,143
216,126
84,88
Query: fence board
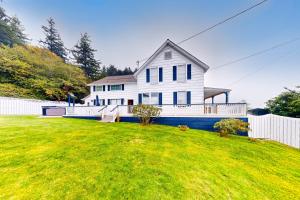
16,106
278,128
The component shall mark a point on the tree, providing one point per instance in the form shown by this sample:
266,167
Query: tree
53,41
84,56
11,30
286,104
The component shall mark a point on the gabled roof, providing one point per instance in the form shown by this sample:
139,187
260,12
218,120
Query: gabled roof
115,79
179,49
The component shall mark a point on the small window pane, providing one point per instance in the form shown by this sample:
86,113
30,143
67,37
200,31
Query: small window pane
181,73
98,88
181,97
115,87
146,98
154,75
115,102
154,98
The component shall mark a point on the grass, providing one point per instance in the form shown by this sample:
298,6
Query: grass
58,158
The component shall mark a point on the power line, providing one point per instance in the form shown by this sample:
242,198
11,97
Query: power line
256,53
223,21
254,72
215,25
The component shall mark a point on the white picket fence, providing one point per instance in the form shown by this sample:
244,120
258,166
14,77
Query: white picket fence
16,106
285,130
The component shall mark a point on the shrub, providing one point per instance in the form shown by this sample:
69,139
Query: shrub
183,127
146,113
231,126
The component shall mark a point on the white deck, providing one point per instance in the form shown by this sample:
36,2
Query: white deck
199,110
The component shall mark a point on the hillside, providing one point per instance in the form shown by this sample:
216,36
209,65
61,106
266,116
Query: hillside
33,72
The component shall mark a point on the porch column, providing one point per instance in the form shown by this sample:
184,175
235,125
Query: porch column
73,101
226,97
69,100
213,99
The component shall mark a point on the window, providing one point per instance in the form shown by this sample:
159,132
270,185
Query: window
153,75
168,55
146,98
115,102
99,88
181,73
181,97
115,87
154,98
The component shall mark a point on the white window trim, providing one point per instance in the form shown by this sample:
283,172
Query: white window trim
157,75
100,86
143,101
185,80
185,97
115,90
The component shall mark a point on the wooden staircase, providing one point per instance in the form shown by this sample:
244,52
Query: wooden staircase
107,119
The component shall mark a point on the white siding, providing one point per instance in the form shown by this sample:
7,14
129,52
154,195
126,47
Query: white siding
129,92
168,86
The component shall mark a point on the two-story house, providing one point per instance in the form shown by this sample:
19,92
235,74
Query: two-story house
172,79
170,76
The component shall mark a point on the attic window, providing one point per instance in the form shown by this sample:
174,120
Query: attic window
168,55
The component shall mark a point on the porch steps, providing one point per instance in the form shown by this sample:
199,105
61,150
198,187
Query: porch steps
107,118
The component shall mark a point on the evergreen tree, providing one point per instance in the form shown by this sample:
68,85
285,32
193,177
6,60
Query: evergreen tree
11,30
53,41
84,56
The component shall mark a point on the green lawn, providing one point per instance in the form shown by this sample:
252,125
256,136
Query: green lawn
58,158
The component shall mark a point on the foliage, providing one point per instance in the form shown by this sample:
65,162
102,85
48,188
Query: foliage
146,113
52,40
258,111
183,127
11,30
84,56
33,72
231,126
62,158
286,104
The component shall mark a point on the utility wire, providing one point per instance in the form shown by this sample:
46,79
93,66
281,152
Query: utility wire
257,70
217,24
223,21
256,53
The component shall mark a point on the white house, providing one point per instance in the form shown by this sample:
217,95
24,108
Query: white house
171,78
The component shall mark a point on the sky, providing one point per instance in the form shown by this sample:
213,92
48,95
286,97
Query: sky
124,31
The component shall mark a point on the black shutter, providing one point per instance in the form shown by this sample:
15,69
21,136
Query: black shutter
189,71
140,98
174,73
174,98
147,75
160,98
160,74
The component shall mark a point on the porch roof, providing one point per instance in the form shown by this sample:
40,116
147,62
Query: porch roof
211,92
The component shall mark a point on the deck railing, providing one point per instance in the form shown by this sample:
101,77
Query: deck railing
85,110
230,109
226,110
